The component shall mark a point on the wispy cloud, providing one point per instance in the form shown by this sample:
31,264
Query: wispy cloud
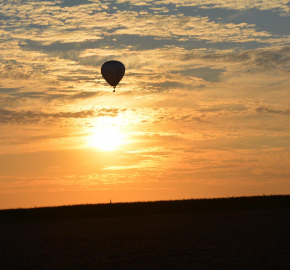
281,5
265,110
25,117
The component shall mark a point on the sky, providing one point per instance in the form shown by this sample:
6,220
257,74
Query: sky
203,109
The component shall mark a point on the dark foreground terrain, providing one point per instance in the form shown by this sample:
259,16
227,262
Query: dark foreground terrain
251,239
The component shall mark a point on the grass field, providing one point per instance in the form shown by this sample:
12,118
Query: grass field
196,239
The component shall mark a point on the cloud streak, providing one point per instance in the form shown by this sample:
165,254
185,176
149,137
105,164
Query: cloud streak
265,110
32,117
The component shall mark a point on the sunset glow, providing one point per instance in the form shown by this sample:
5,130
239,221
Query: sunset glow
202,110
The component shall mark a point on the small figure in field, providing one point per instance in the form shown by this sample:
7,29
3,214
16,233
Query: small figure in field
110,201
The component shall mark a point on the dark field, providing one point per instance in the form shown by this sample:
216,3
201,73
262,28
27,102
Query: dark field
252,239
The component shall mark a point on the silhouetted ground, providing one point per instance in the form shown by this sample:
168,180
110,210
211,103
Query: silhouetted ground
252,239
144,208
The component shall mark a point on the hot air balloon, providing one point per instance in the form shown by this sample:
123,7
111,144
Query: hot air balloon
113,72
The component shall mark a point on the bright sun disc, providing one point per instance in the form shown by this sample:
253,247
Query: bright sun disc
106,138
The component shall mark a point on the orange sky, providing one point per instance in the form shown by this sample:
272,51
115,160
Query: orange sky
202,111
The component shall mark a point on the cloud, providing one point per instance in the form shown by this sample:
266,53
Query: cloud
266,110
280,5
9,90
268,58
205,73
177,26
84,95
32,117
90,22
62,44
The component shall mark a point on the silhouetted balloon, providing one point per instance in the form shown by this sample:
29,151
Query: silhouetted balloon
113,72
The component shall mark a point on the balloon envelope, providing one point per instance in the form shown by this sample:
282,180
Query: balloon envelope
113,72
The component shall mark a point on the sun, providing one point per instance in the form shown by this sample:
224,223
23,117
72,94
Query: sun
106,138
